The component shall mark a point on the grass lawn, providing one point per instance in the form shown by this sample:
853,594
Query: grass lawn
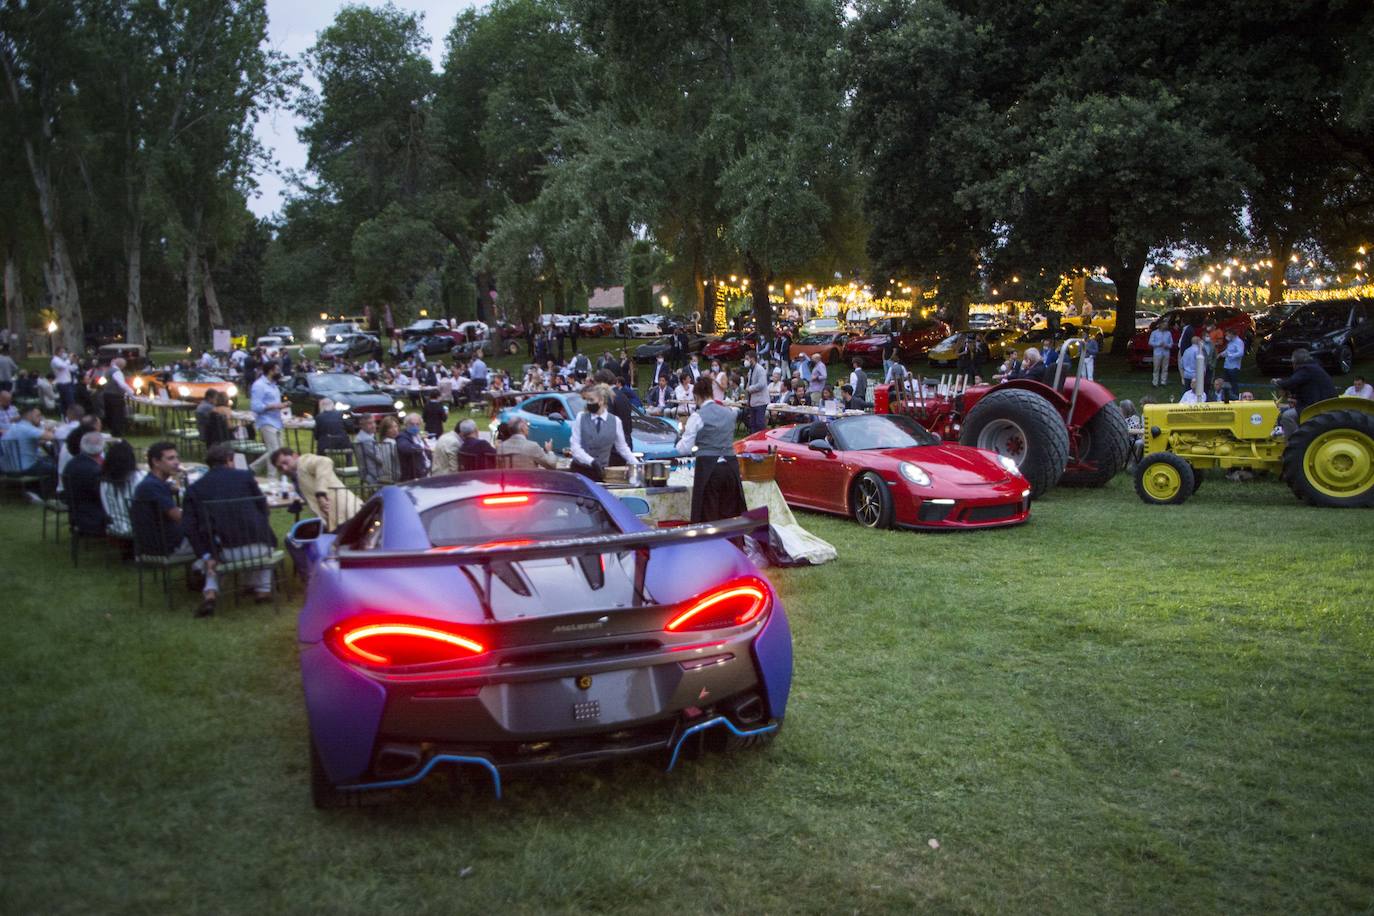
1114,708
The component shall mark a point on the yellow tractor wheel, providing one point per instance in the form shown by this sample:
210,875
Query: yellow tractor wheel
1164,479
1329,461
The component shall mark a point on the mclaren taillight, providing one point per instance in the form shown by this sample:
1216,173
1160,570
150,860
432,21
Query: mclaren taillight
731,605
391,644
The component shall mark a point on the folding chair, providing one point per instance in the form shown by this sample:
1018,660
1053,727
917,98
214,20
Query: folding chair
242,542
151,550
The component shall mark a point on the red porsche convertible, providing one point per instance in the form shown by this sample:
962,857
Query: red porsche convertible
887,470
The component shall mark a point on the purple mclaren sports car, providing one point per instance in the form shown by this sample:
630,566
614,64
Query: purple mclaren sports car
503,620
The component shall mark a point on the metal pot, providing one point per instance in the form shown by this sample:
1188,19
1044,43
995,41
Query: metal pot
656,473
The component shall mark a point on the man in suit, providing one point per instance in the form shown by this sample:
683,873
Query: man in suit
620,408
756,392
527,454
660,398
330,433
475,453
226,519
319,485
81,486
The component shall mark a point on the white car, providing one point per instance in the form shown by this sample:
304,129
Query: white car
1143,319
474,329
271,343
640,327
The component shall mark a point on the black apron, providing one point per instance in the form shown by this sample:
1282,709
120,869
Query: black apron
717,491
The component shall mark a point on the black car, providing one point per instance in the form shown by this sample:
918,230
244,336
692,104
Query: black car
432,344
351,345
349,393
287,335
648,352
1336,332
1268,321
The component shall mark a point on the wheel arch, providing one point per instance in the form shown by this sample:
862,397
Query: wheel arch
1340,402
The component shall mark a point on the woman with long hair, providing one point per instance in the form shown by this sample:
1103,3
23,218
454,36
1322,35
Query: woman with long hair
118,477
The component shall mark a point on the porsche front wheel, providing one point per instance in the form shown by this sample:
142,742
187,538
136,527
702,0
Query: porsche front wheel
871,501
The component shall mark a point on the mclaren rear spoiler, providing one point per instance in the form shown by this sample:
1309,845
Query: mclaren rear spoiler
515,552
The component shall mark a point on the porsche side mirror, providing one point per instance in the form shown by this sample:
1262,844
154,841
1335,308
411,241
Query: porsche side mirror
821,445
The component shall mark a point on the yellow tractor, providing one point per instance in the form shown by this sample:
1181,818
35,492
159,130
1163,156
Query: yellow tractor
1327,461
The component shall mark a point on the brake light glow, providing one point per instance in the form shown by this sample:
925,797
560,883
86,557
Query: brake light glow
513,499
401,644
733,604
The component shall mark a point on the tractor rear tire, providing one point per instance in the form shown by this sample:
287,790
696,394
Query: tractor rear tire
1329,461
1109,445
1034,431
1164,479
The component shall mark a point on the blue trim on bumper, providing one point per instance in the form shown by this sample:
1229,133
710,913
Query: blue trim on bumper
425,770
711,723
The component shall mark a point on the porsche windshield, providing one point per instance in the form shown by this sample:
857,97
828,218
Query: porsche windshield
506,517
857,434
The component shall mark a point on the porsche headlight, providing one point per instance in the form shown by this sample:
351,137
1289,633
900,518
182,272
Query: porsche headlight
914,473
340,405
1008,465
400,405
232,391
138,383
183,391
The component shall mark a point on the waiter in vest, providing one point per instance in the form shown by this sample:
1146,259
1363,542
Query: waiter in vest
709,436
595,433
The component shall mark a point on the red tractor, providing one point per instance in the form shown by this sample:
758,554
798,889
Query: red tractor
1069,431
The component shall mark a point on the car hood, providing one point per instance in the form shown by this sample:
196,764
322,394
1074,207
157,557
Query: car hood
881,340
953,465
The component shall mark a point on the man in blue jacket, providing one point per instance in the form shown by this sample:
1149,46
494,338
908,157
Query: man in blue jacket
226,518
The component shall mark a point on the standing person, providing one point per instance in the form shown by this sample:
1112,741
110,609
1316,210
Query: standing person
619,407
1187,363
858,381
559,333
816,380
1091,347
1161,346
755,393
8,370
529,341
1231,359
116,389
267,404
595,434
477,372
574,329
435,413
63,380
319,485
708,436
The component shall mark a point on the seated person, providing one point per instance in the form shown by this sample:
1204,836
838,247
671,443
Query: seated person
119,475
525,454
158,522
849,401
661,398
28,454
475,453
81,486
412,450
229,531
330,434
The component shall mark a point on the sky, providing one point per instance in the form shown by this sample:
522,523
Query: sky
292,25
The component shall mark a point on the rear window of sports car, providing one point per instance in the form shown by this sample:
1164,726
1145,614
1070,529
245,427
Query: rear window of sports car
516,517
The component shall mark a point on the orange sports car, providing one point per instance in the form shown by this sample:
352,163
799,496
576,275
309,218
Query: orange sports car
185,384
829,344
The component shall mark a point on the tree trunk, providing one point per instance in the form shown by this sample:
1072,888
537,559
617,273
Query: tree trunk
763,309
1125,273
134,330
706,316
1280,250
15,319
192,298
68,304
212,311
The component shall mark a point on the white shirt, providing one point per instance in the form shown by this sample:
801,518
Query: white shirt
580,454
1367,392
688,443
62,369
117,378
1191,397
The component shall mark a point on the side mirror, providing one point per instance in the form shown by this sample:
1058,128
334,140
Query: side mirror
557,417
821,445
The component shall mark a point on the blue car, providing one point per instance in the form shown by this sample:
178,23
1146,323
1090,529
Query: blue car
550,416
498,621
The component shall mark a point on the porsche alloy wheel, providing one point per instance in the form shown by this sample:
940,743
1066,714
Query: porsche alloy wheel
872,502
